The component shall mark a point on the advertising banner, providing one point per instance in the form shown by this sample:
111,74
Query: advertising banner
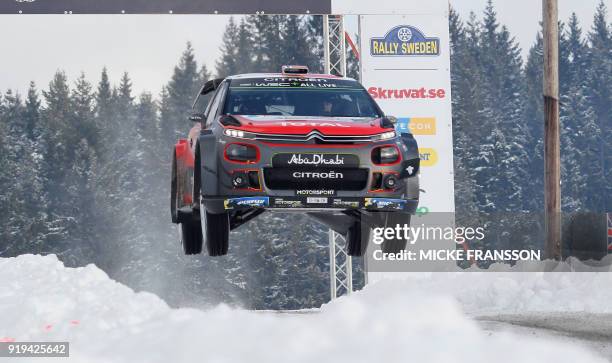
405,66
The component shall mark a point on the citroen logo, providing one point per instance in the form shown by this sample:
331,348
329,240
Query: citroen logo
314,135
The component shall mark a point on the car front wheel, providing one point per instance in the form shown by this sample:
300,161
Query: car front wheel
215,229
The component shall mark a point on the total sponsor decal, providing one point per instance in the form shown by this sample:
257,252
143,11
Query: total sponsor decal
404,40
428,156
416,125
385,203
406,93
232,203
314,124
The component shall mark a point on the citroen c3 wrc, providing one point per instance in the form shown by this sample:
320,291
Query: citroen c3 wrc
291,141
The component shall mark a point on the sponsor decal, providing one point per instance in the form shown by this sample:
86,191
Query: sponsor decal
317,175
416,125
284,160
291,84
315,159
342,203
406,93
385,203
609,232
314,124
287,203
421,211
294,82
429,156
231,203
404,40
315,192
316,200
410,168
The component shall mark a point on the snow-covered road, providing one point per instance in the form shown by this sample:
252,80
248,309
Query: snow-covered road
591,331
422,317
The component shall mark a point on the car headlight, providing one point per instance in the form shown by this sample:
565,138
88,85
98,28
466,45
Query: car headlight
385,136
234,133
238,134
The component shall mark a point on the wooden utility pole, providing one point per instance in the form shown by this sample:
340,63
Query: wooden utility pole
552,165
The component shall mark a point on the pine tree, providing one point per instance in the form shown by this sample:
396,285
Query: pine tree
32,113
267,42
314,32
244,48
181,91
296,45
464,112
581,177
599,78
15,216
103,112
82,106
533,116
227,64
59,141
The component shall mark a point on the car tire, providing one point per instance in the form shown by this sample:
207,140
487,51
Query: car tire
215,229
191,237
395,245
173,191
357,238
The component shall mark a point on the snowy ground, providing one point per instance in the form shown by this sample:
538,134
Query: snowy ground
443,317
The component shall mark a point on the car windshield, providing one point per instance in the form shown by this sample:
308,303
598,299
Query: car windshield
299,97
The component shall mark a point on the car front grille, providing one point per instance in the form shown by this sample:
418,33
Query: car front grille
342,178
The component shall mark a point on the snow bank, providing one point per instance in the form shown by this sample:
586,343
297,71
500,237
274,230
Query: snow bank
508,290
417,319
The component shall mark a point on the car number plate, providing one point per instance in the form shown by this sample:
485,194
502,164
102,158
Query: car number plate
316,200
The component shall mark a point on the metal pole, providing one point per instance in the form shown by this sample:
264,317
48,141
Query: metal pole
340,263
332,264
552,173
349,271
342,42
326,66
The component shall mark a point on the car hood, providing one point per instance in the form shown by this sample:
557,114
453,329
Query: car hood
301,125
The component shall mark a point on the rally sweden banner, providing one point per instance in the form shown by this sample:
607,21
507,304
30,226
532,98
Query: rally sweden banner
405,66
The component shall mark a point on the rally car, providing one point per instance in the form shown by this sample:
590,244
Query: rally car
291,141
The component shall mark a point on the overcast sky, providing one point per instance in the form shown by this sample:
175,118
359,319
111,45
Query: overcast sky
33,47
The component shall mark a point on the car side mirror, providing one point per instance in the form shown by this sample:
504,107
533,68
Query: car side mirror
388,122
197,117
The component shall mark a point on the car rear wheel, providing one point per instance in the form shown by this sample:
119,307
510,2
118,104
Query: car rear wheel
191,237
215,229
395,245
